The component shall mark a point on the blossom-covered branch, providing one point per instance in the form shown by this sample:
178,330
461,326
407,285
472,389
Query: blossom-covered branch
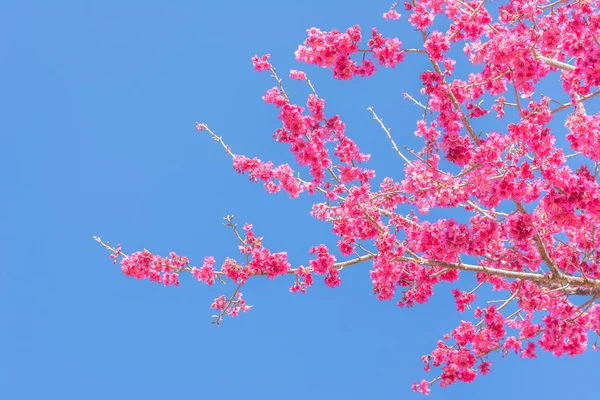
529,215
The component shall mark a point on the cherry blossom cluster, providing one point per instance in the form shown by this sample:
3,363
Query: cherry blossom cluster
335,49
145,265
528,228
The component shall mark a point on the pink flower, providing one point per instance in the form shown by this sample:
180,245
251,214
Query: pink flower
333,278
316,106
484,367
145,265
584,134
266,263
421,387
297,75
392,14
462,299
116,253
387,51
365,69
206,273
219,303
234,271
274,96
437,45
529,352
324,261
262,63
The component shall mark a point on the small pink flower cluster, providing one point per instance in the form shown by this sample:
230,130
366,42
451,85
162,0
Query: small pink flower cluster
301,285
297,75
262,261
116,253
391,14
334,50
231,307
386,51
584,133
206,273
261,63
281,177
463,299
323,264
145,265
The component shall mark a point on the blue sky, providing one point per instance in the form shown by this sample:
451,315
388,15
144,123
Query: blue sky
99,100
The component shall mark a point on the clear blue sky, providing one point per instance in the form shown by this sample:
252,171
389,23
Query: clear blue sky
98,102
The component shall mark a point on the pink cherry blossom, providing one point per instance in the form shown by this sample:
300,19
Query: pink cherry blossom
206,273
391,14
261,63
297,75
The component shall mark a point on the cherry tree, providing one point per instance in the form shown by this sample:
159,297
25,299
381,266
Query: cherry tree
533,232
